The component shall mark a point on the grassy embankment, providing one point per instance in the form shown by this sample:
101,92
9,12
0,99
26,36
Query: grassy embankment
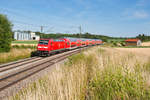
17,52
95,74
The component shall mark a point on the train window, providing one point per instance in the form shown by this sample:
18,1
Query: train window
44,42
55,40
58,40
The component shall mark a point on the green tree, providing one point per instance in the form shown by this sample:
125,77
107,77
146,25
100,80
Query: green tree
5,34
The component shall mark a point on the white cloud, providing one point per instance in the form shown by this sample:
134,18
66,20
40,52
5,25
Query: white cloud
136,14
140,14
131,13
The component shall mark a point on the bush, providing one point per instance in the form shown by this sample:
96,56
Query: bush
5,34
123,43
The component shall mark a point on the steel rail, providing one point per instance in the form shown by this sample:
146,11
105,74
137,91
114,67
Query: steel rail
15,62
18,64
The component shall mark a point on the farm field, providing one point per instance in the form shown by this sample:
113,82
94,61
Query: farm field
115,40
137,51
99,73
24,42
146,44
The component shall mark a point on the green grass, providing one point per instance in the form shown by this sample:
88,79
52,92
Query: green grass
25,42
24,46
119,84
115,40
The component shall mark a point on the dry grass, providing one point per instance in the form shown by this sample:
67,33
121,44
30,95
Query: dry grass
137,51
141,54
146,44
23,44
96,74
14,54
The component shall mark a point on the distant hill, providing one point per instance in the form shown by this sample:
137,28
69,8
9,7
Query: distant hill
85,35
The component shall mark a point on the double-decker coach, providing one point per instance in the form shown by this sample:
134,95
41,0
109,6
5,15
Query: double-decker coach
47,47
98,41
72,42
87,41
83,42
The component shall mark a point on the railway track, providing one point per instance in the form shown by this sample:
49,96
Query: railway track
12,73
18,63
15,62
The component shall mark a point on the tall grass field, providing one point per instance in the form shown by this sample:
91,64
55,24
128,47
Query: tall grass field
17,52
95,74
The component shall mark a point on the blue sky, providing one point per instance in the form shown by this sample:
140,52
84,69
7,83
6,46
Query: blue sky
105,17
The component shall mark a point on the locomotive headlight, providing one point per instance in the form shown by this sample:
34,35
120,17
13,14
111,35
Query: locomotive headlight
39,47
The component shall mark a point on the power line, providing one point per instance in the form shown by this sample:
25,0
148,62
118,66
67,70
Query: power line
41,27
24,23
20,15
33,25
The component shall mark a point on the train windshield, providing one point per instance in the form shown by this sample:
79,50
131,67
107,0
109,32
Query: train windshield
43,42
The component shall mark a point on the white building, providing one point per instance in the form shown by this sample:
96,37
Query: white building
24,35
34,36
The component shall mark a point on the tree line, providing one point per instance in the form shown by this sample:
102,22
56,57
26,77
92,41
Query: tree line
77,35
143,37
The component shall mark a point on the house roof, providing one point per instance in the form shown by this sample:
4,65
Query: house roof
132,40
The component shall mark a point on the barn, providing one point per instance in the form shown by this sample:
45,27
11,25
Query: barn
133,42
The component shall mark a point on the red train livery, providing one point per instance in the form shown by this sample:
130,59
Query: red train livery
47,47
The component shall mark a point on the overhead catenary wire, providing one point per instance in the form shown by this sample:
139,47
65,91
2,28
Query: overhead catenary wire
41,28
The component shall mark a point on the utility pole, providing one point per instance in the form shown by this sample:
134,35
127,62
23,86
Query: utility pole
41,29
80,33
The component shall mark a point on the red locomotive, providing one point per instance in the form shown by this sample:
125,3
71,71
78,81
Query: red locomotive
47,47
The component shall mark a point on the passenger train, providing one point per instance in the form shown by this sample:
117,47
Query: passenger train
46,47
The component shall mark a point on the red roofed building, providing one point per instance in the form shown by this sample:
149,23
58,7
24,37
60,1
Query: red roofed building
133,42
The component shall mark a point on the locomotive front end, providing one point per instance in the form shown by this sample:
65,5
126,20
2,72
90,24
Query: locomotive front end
43,48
